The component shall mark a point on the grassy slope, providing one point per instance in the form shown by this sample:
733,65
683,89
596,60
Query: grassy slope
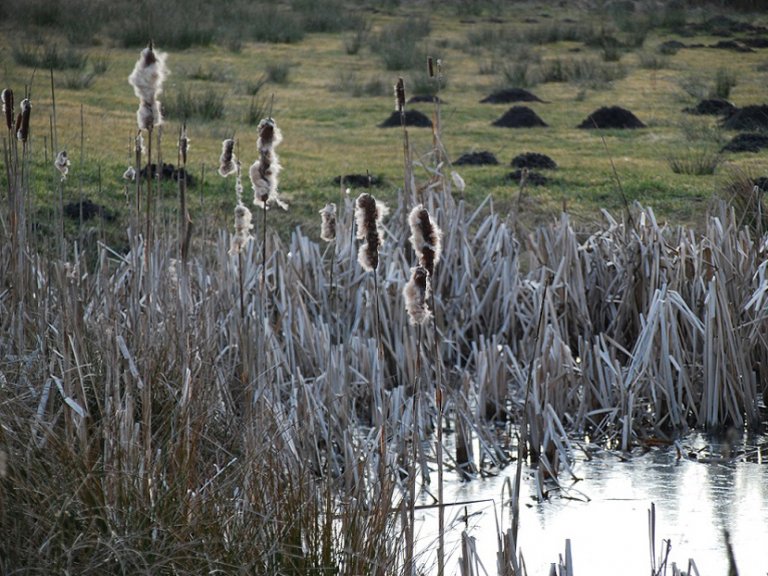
328,132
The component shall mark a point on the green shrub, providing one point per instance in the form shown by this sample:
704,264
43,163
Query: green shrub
356,39
49,57
185,104
651,60
695,161
723,83
400,45
277,72
75,80
325,15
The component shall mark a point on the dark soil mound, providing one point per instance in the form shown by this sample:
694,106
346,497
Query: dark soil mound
510,95
731,45
424,98
88,209
169,172
519,117
611,117
755,42
533,179
749,142
534,160
670,47
357,180
712,107
412,118
762,183
476,159
749,118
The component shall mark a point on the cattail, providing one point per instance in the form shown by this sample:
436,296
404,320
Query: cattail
62,164
22,122
368,215
426,238
328,227
183,144
227,159
130,174
431,67
243,216
416,295
265,170
147,79
400,95
7,98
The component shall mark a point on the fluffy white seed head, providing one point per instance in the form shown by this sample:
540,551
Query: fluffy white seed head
62,164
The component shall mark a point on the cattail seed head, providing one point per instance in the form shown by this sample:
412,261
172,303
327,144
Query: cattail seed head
416,294
400,95
62,164
7,98
328,227
243,227
264,171
431,67
147,79
368,215
426,238
22,122
130,174
227,159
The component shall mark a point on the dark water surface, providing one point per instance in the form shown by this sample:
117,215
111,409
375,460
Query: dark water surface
605,515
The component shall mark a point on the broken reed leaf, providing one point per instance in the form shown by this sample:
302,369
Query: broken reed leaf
328,225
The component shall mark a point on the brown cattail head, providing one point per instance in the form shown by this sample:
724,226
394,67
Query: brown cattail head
227,159
7,98
147,79
328,227
269,135
62,164
368,215
183,144
431,67
426,238
400,95
22,122
416,295
264,171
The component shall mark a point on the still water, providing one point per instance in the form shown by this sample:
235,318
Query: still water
605,514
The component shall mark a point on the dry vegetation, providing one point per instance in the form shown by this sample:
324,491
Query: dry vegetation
265,406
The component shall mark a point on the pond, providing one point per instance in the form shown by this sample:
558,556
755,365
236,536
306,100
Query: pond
712,486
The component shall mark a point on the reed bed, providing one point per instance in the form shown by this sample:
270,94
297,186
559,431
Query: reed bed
244,410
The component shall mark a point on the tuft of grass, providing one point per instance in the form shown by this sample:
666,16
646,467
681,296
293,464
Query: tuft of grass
49,56
695,161
725,80
186,104
400,45
277,72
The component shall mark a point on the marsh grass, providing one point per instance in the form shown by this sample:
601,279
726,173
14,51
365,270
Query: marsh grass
49,56
195,104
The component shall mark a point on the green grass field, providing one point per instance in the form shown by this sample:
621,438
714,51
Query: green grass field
329,102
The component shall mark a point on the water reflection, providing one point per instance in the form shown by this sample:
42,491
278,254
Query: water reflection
696,497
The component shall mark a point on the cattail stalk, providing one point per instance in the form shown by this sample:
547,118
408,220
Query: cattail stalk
185,222
264,180
368,216
426,240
